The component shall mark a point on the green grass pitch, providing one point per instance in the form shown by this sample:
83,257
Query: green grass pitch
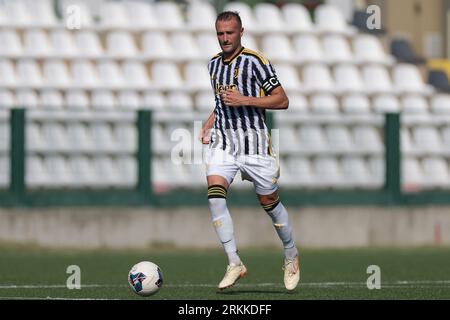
422,273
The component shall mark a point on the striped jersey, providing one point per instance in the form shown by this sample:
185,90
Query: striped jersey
241,130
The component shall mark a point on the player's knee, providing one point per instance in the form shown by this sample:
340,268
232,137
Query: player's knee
216,196
269,202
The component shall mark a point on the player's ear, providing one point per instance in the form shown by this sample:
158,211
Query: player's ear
242,32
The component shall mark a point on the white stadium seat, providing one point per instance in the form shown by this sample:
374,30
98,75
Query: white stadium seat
7,99
205,101
249,22
11,43
184,42
169,15
330,19
440,103
297,18
35,141
156,45
339,138
88,44
368,49
197,76
288,76
110,74
8,75
180,101
51,99
36,174
407,78
84,75
348,79
127,170
414,103
317,77
126,136
142,14
406,143
42,13
57,171
297,103
120,44
36,43
328,172
106,171
129,100
337,49
312,138
28,73
201,16
166,76
356,103
386,103
79,137
135,74
4,172
54,136
269,17
154,100
367,139
289,141
308,49
435,172
103,99
377,79
82,171
4,136
114,15
426,138
27,98
355,172
299,172
249,41
77,99
277,47
18,14
208,44
56,74
102,136
63,43
324,103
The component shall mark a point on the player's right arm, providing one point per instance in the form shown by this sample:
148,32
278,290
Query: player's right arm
205,133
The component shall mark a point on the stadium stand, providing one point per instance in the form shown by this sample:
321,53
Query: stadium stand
84,86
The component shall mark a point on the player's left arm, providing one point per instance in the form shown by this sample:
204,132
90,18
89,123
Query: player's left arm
276,100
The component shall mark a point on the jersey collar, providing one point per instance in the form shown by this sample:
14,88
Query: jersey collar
230,60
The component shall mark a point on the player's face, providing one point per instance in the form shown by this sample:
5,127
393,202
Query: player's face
229,35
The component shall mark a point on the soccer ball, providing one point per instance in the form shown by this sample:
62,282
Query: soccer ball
145,278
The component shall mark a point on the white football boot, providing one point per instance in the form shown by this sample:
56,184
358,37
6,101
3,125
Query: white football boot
291,273
232,275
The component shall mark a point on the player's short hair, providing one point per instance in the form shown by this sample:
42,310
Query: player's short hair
228,15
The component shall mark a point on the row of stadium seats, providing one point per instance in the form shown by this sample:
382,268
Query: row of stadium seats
193,76
203,101
156,45
198,16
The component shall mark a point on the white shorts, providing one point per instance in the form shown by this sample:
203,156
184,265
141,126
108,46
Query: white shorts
263,171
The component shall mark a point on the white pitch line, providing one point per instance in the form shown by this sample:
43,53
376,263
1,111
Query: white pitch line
399,284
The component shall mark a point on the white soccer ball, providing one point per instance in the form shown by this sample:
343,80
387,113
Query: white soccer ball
145,278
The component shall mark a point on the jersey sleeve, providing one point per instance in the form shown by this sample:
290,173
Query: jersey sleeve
265,75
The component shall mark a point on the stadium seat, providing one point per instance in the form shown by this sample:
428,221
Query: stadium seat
84,75
56,74
329,19
142,14
312,138
156,45
368,49
339,138
103,137
127,170
414,104
103,100
120,44
36,174
135,74
63,44
412,176
105,169
384,103
166,76
35,140
406,142
113,15
79,137
54,136
184,42
440,103
197,76
246,13
377,79
204,101
18,14
126,136
42,13
129,100
288,139
426,139
355,172
445,138
7,99
277,48
356,103
77,99
308,49
27,98
28,73
435,172
248,41
208,44
299,173
348,79
110,75
159,138
36,43
51,99
180,101
377,171
8,77
201,16
154,100
82,171
328,173
337,49
161,177
269,17
288,76
4,137
88,44
317,78
169,16
297,18
407,78
324,103
367,139
4,172
57,171
11,43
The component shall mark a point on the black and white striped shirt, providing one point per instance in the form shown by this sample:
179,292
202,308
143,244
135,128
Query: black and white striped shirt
241,130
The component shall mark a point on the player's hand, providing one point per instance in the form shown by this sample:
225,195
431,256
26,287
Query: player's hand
205,136
233,98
